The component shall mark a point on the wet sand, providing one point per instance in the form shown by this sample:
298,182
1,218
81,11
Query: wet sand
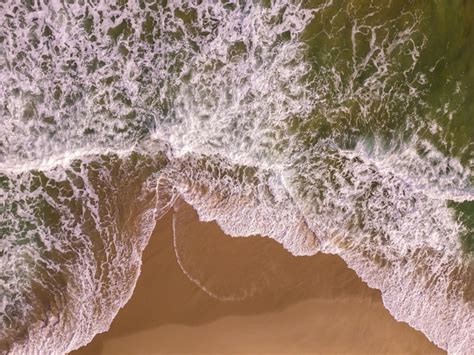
248,295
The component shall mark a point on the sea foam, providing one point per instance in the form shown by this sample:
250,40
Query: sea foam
307,125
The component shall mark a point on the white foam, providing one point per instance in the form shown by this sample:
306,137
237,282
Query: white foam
218,94
413,257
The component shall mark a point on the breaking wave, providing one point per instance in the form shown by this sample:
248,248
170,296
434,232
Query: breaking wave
340,127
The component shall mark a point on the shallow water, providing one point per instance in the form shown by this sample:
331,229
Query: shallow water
331,126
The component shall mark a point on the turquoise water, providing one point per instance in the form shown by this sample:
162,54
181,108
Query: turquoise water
331,126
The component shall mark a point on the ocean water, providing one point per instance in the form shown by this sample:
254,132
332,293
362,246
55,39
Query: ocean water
334,126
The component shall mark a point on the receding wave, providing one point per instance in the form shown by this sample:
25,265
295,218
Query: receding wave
343,127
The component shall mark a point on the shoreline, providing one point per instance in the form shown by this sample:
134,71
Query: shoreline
281,303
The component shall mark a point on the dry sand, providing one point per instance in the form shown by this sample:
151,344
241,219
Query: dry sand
281,304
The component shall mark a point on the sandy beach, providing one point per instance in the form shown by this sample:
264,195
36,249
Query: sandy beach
248,295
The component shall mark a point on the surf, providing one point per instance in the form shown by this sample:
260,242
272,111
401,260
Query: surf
324,127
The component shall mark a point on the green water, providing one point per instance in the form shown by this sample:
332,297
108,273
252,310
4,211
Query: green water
426,87
99,103
441,39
